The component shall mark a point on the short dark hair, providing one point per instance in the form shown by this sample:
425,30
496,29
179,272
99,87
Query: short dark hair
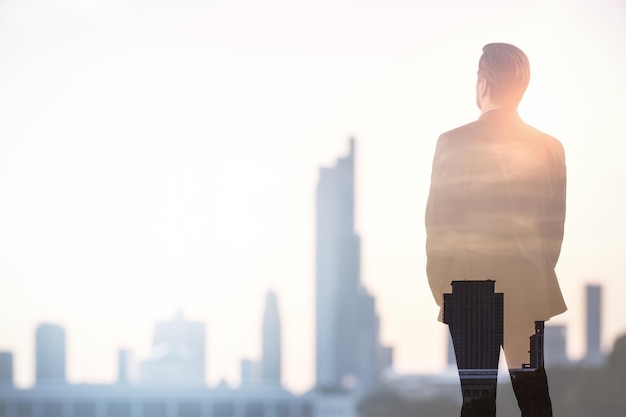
506,69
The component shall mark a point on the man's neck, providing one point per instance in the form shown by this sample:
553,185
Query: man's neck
488,108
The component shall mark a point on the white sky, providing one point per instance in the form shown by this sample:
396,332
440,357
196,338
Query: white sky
156,155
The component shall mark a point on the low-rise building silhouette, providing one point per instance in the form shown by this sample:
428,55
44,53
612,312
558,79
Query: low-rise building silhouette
6,368
178,353
49,354
250,372
117,400
555,346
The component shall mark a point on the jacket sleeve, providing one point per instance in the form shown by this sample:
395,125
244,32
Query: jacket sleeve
442,213
554,216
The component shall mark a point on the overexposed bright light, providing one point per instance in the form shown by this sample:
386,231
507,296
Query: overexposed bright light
540,109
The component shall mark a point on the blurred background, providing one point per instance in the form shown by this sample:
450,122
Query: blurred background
167,162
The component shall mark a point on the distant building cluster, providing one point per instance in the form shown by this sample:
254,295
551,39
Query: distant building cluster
171,381
178,354
555,337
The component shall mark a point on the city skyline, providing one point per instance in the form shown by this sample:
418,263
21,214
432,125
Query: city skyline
177,357
155,156
49,341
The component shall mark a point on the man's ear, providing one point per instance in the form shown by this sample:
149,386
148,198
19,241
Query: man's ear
483,87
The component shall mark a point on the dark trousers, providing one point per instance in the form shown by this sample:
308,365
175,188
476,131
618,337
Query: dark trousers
531,390
479,385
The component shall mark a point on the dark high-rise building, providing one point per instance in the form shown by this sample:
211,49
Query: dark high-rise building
49,354
271,359
594,356
6,368
346,322
536,346
474,313
529,381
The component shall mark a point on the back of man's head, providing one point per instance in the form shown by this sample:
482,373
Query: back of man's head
506,69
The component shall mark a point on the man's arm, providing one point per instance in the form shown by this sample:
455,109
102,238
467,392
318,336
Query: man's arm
442,214
554,219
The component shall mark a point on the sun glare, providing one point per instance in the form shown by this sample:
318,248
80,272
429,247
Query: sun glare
539,109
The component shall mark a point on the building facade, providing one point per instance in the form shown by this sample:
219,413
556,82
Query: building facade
475,314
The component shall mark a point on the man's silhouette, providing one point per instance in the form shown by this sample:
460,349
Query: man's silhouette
496,211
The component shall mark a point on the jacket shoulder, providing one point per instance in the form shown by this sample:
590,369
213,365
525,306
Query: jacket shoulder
479,129
461,132
552,143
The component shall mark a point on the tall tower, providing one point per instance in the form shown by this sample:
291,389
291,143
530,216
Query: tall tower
271,361
49,354
347,326
594,354
337,272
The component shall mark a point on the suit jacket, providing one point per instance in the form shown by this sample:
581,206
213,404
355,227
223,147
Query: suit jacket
496,210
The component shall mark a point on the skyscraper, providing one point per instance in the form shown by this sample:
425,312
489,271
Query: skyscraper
271,359
475,314
346,321
178,353
49,354
594,356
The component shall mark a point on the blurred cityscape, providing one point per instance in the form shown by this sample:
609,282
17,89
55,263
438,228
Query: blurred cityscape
354,371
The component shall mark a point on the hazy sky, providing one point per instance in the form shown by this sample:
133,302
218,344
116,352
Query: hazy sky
156,155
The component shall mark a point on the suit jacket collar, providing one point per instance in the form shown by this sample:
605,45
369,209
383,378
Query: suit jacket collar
500,113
